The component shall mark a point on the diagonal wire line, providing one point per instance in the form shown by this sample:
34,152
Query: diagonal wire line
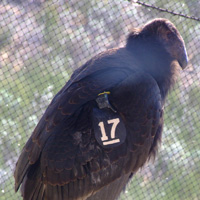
164,10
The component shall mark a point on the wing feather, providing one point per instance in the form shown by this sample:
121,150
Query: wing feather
62,158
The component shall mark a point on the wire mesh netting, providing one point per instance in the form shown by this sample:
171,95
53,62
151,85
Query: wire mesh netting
43,42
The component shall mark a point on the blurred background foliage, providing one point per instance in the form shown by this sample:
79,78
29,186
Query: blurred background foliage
43,42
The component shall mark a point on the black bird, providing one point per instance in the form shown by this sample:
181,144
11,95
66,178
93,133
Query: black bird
106,122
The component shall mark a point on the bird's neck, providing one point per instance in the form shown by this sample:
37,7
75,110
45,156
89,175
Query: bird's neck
167,80
157,62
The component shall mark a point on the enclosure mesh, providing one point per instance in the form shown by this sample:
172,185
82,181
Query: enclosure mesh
43,41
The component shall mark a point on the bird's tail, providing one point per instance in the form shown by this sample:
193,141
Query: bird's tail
113,190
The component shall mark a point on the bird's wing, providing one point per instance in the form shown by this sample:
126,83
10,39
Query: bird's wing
61,114
62,155
139,102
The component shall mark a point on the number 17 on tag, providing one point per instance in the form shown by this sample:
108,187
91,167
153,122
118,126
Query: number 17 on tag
109,128
104,137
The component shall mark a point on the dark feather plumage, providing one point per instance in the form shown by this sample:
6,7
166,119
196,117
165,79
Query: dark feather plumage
62,159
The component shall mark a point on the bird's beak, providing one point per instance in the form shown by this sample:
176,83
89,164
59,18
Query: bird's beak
183,58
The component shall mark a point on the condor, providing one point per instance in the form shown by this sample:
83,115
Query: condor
106,122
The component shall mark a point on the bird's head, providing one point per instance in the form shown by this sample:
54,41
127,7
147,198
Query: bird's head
165,33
